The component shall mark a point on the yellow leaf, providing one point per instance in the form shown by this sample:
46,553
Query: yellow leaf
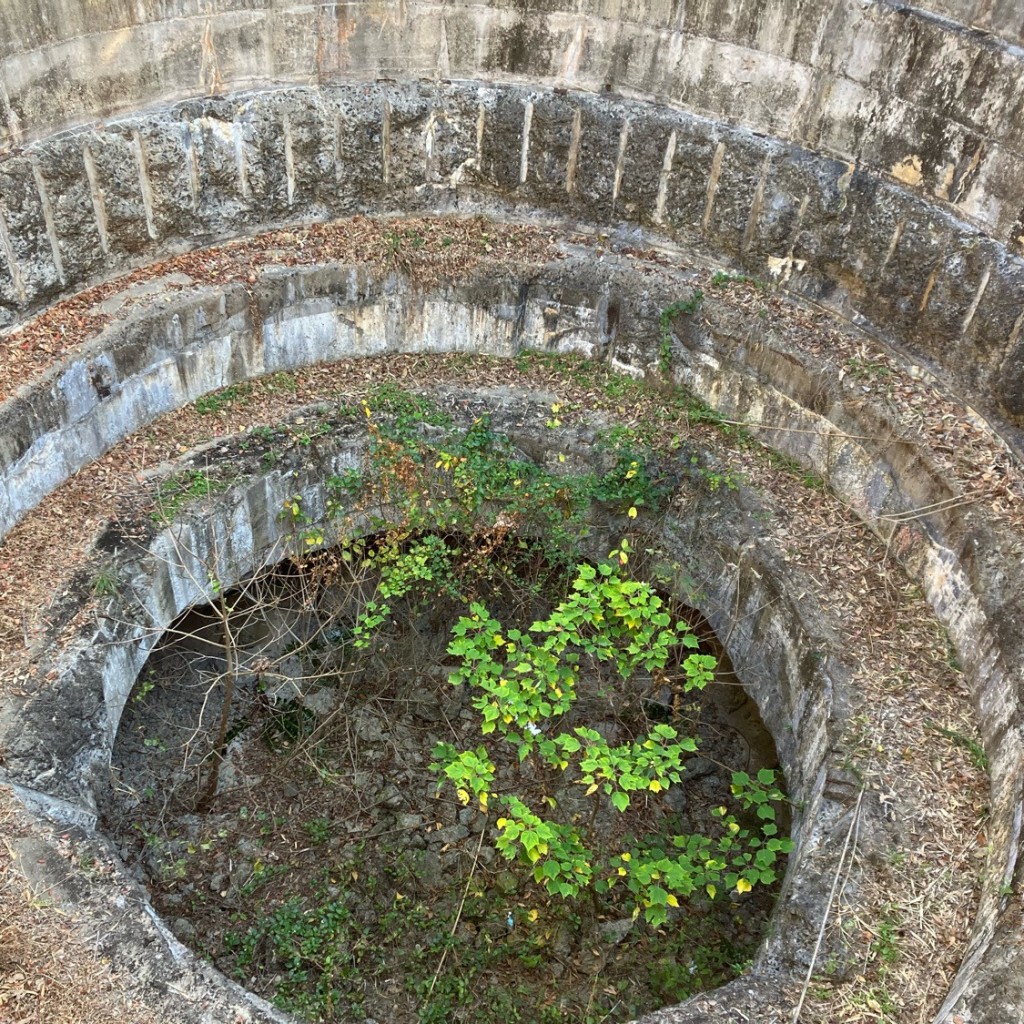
712,891
627,857
532,915
463,795
483,800
671,900
632,512
502,822
655,786
355,876
622,871
499,640
733,826
591,790
743,885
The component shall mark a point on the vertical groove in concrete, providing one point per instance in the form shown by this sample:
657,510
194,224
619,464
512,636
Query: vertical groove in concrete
716,173
192,164
12,263
385,142
209,64
524,153
444,67
893,242
620,162
574,151
573,53
664,178
337,148
973,308
963,183
481,125
243,173
289,158
99,204
51,227
429,137
755,207
1018,325
929,285
798,224
145,188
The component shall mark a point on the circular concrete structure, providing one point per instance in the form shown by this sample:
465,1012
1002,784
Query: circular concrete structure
863,157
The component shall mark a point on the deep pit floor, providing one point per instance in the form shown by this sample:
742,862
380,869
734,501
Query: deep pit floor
333,814
909,678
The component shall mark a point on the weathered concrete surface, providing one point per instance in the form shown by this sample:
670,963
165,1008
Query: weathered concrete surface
165,355
864,155
205,339
84,205
920,96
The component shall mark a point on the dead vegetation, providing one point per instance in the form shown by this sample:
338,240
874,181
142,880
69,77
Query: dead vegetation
49,974
916,911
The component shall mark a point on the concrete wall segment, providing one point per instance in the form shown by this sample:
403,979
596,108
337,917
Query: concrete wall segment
786,69
890,190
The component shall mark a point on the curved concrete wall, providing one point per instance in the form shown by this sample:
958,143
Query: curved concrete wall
865,156
61,763
921,241
164,357
899,90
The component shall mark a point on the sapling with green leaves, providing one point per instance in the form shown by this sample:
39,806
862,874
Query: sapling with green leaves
525,682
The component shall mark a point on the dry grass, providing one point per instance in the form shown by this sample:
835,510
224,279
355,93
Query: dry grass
49,973
913,909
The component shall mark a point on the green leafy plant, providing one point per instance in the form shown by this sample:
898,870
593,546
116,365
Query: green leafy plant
975,751
175,493
105,583
523,682
218,401
668,314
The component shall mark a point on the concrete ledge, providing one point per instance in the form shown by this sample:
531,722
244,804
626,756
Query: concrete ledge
83,206
200,341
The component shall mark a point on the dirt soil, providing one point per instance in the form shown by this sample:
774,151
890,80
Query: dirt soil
329,830
910,686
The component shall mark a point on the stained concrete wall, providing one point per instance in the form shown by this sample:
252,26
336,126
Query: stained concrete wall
915,93
83,205
864,155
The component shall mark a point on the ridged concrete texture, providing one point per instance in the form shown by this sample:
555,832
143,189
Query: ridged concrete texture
865,156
